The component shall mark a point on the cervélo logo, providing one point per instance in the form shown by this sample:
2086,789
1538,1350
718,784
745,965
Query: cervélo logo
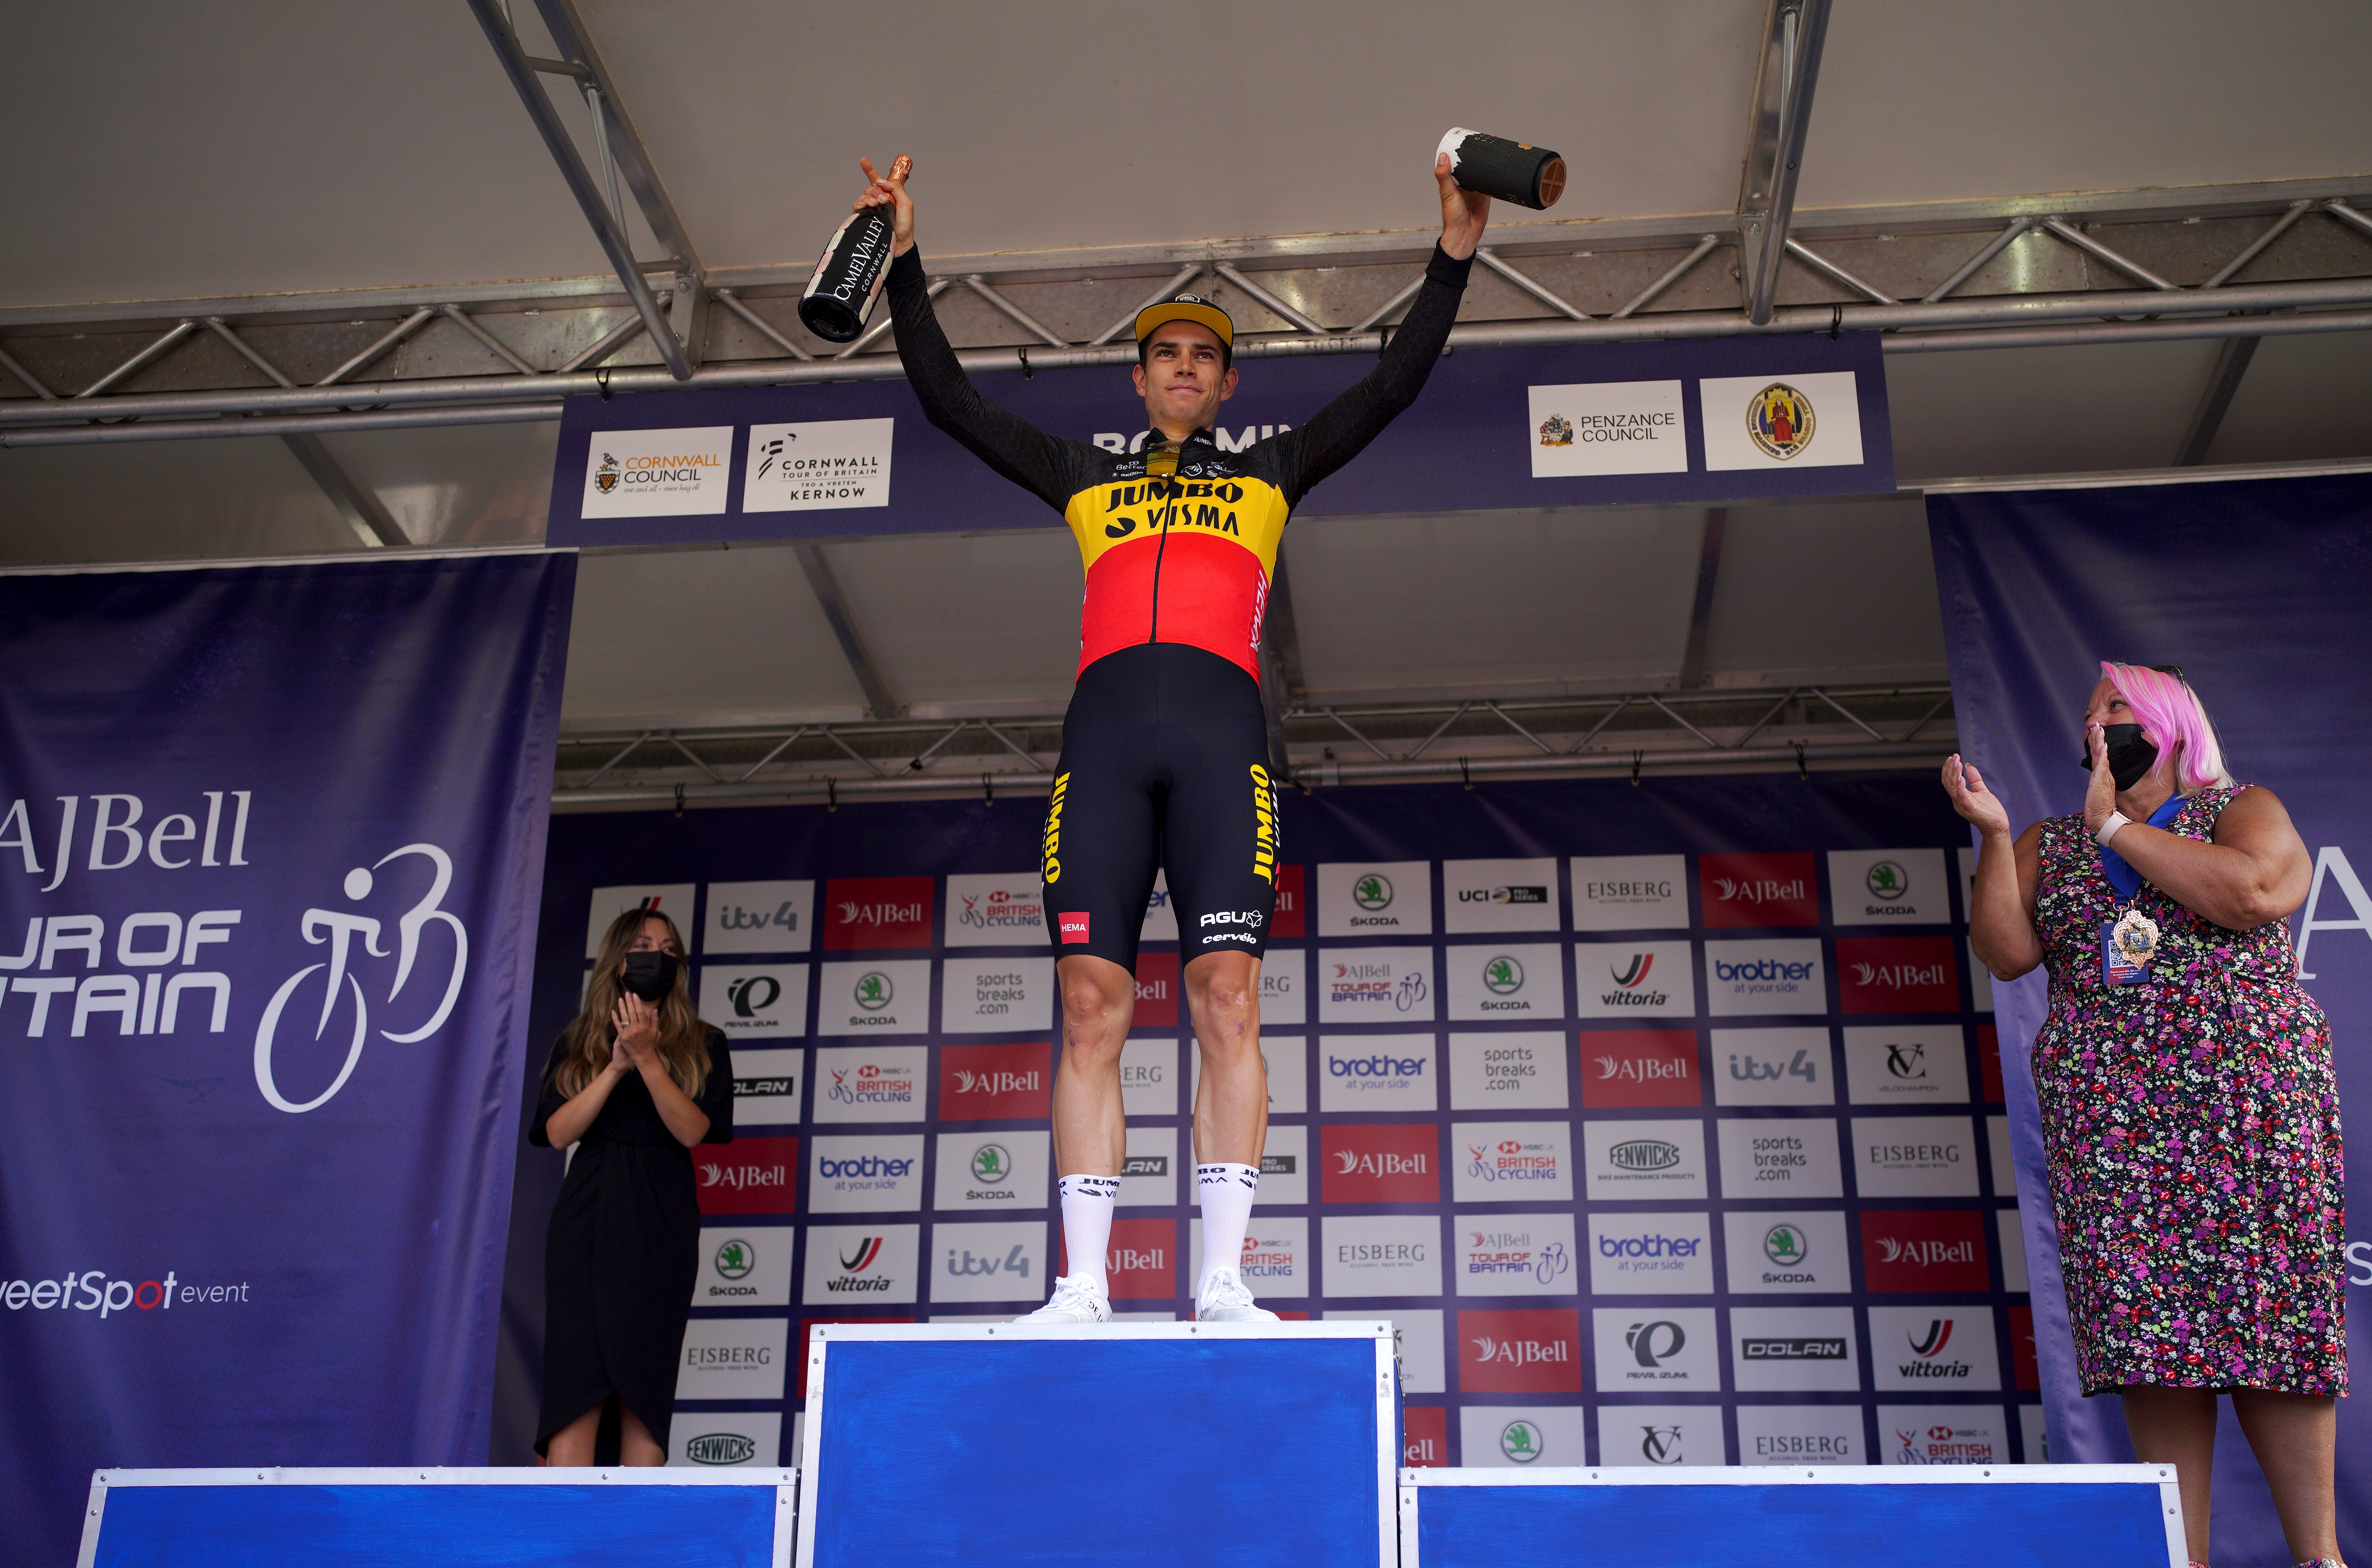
1640,1067
748,1176
1392,1164
1898,974
1925,1249
1749,892
1520,1350
876,911
981,1082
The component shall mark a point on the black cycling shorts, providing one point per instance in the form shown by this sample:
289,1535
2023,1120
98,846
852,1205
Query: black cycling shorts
1165,766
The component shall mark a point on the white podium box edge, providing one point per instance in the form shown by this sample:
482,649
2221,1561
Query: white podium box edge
1379,1332
783,1482
1414,1481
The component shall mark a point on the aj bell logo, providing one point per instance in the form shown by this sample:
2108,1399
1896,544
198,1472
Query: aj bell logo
1642,1069
996,1083
1761,890
1349,1162
1489,1350
1897,977
855,913
740,1178
1924,1254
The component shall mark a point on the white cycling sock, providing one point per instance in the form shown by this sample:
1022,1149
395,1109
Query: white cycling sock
1087,1224
1226,1192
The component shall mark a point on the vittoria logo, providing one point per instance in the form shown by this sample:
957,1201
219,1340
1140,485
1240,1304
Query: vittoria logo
1779,420
1643,1153
1556,431
720,1448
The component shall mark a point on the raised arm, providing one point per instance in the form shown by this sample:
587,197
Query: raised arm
1341,430
2001,907
1050,468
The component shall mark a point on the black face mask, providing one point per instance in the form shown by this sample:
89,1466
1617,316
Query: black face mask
650,975
2131,754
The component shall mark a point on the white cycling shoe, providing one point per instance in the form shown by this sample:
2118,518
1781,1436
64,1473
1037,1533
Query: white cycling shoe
1225,1298
1077,1299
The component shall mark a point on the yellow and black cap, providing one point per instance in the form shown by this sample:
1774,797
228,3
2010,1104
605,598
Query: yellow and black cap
1187,307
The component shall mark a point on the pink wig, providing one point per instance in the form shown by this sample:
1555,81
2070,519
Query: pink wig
2171,715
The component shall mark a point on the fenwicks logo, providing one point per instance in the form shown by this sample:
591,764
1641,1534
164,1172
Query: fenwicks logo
720,1448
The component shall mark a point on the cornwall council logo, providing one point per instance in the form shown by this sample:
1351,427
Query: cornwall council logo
873,991
1779,418
721,1449
1502,975
1888,880
1555,431
1372,892
1520,1441
605,477
990,1163
735,1259
1784,1245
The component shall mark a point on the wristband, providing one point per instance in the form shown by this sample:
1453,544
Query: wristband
2108,829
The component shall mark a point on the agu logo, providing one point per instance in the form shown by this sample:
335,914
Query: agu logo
1779,420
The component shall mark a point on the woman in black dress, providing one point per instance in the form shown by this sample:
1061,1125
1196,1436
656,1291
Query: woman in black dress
634,1082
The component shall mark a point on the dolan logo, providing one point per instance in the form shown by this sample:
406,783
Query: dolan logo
1555,431
1779,419
721,1449
605,477
1643,1153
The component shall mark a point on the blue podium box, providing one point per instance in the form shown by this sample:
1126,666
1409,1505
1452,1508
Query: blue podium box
1083,1446
432,1517
1838,1516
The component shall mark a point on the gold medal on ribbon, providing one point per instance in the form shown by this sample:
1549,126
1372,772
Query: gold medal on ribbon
2136,939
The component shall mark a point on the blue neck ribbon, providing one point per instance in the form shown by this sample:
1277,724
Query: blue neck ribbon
2123,877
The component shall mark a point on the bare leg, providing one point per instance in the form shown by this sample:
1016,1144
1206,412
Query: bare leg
635,1443
1098,1002
2295,1437
1231,1106
573,1443
2177,1426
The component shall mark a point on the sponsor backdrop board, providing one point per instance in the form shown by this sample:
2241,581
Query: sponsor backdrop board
2037,587
1719,1235
1724,420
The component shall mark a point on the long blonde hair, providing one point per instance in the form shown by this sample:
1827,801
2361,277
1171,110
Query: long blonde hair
683,1039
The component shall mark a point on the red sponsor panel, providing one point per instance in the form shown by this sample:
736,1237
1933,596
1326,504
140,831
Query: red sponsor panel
1157,992
1531,1351
1925,1249
748,1176
1633,1067
1425,1436
800,1386
1399,1163
1140,1261
1898,974
980,1083
1989,1063
1291,916
876,912
2021,1348
1755,891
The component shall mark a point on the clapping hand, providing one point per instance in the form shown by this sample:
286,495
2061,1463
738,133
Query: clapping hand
637,1022
2101,791
1972,799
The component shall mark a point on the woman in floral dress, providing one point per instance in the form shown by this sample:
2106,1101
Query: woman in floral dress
2189,1117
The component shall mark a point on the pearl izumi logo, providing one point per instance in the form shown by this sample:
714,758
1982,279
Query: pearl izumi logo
658,474
1655,1343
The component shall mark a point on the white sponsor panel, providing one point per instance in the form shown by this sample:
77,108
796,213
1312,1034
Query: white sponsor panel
1915,1157
2036,1441
1375,985
733,1358
1942,1435
1772,1067
1630,892
1650,1254
1522,1437
996,1260
1785,1252
1380,1255
1772,1157
1929,1349
1285,987
1657,1436
1286,1057
1981,980
1729,404
2010,1242
1515,1255
1889,887
1416,1335
1374,898
744,1266
993,1171
1507,981
889,996
1160,914
1633,980
866,1174
1654,1348
1285,1168
1907,1064
997,995
871,1083
1793,1348
1148,1077
1005,909
1800,1435
1276,1257
1744,979
1500,895
1646,1160
860,1265
1508,1072
716,1439
2005,1162
766,1086
759,917
1512,1162
1149,1172
819,465
1381,1071
658,474
673,899
1594,427
752,1000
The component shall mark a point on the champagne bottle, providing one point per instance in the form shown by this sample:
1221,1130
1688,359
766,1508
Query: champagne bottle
848,277
1511,171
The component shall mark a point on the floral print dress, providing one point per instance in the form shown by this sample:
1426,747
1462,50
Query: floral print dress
2190,1129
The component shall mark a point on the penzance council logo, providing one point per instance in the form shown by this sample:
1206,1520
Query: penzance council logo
1779,420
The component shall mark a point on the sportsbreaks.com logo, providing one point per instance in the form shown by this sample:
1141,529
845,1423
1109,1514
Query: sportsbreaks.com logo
95,1291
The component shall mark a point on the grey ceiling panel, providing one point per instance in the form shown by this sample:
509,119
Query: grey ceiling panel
1819,591
459,485
968,623
164,502
2302,398
2043,410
